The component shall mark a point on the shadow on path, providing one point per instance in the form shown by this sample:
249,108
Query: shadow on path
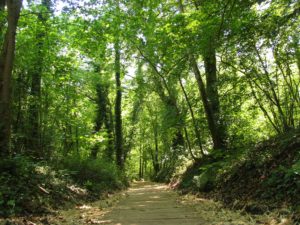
150,203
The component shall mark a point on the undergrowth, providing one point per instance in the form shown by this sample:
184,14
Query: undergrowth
30,187
96,175
255,179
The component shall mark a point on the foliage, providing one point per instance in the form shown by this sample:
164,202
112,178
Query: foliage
270,173
31,187
14,176
96,175
27,186
107,88
256,179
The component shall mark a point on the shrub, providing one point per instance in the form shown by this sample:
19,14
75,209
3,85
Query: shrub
19,182
97,175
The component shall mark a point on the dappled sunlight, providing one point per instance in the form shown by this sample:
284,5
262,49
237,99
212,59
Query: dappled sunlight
99,98
157,207
155,197
151,204
84,207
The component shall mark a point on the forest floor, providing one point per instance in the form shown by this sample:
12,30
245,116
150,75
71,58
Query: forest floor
148,203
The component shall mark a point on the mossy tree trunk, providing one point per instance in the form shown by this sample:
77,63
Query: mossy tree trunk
118,108
34,146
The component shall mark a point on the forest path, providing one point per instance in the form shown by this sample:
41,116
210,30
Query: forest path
150,203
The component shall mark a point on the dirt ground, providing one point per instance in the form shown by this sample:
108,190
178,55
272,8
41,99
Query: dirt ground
148,203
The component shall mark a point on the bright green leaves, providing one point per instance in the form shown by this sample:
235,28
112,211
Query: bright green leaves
296,167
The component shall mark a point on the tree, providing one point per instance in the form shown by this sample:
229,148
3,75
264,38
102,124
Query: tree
118,99
6,67
34,132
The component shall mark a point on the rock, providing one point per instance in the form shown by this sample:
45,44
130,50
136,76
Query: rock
205,180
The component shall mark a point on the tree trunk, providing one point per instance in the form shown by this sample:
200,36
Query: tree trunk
156,153
189,144
109,130
141,165
209,94
118,110
100,117
196,130
103,119
217,141
34,134
109,124
6,66
213,96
